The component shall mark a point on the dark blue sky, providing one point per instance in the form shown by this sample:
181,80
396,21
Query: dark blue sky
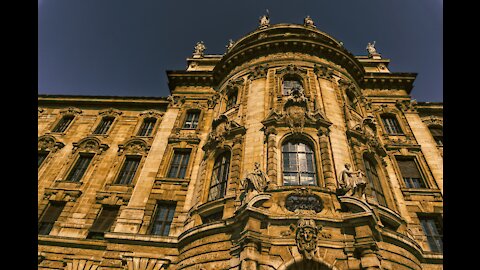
123,48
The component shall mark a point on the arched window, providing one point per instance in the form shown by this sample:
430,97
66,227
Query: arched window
218,184
290,82
374,181
298,164
232,99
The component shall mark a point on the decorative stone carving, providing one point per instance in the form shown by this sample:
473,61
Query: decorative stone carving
112,198
134,146
432,120
308,22
296,108
303,200
151,113
258,72
81,264
90,144
352,182
180,136
141,261
40,111
292,70
222,128
371,48
323,72
212,101
175,101
406,105
199,49
71,110
110,112
306,236
54,194
49,143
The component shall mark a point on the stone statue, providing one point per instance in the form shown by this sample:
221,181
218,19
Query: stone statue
256,180
371,48
308,21
264,21
352,182
199,49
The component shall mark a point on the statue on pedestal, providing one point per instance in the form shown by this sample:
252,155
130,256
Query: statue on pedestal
255,182
371,48
264,21
199,49
308,22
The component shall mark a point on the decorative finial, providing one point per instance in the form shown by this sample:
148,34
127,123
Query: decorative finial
230,44
308,22
264,21
199,49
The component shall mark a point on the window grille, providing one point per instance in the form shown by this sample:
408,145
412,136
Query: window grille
63,123
391,124
179,164
147,127
104,125
127,173
218,184
50,215
298,164
163,218
79,168
191,122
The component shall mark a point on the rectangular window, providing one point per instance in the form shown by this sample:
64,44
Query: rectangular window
50,215
391,124
147,127
410,173
79,168
432,227
191,122
104,125
41,157
63,123
163,218
128,171
437,133
103,222
179,164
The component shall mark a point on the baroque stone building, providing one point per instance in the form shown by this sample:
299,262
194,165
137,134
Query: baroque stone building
285,152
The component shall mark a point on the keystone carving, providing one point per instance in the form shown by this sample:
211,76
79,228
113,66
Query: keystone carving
306,236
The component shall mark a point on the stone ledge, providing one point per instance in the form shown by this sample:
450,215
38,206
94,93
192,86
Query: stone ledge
71,242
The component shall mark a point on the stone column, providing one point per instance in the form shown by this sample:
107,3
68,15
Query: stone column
328,171
272,155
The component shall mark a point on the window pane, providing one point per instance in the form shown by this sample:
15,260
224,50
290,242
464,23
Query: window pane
128,171
63,123
432,228
104,125
289,84
218,183
298,164
79,169
105,220
41,157
163,219
147,127
191,120
51,214
179,164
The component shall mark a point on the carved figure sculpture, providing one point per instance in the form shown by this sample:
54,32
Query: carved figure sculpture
230,44
352,182
199,48
306,237
371,48
254,183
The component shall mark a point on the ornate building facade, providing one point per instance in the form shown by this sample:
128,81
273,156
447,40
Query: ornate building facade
285,152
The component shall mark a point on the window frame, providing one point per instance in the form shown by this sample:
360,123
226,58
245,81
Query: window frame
313,153
430,127
135,175
219,170
57,123
291,77
94,233
153,222
387,129
419,169
142,123
51,224
47,153
185,119
187,151
437,219
74,164
233,94
110,127
372,163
